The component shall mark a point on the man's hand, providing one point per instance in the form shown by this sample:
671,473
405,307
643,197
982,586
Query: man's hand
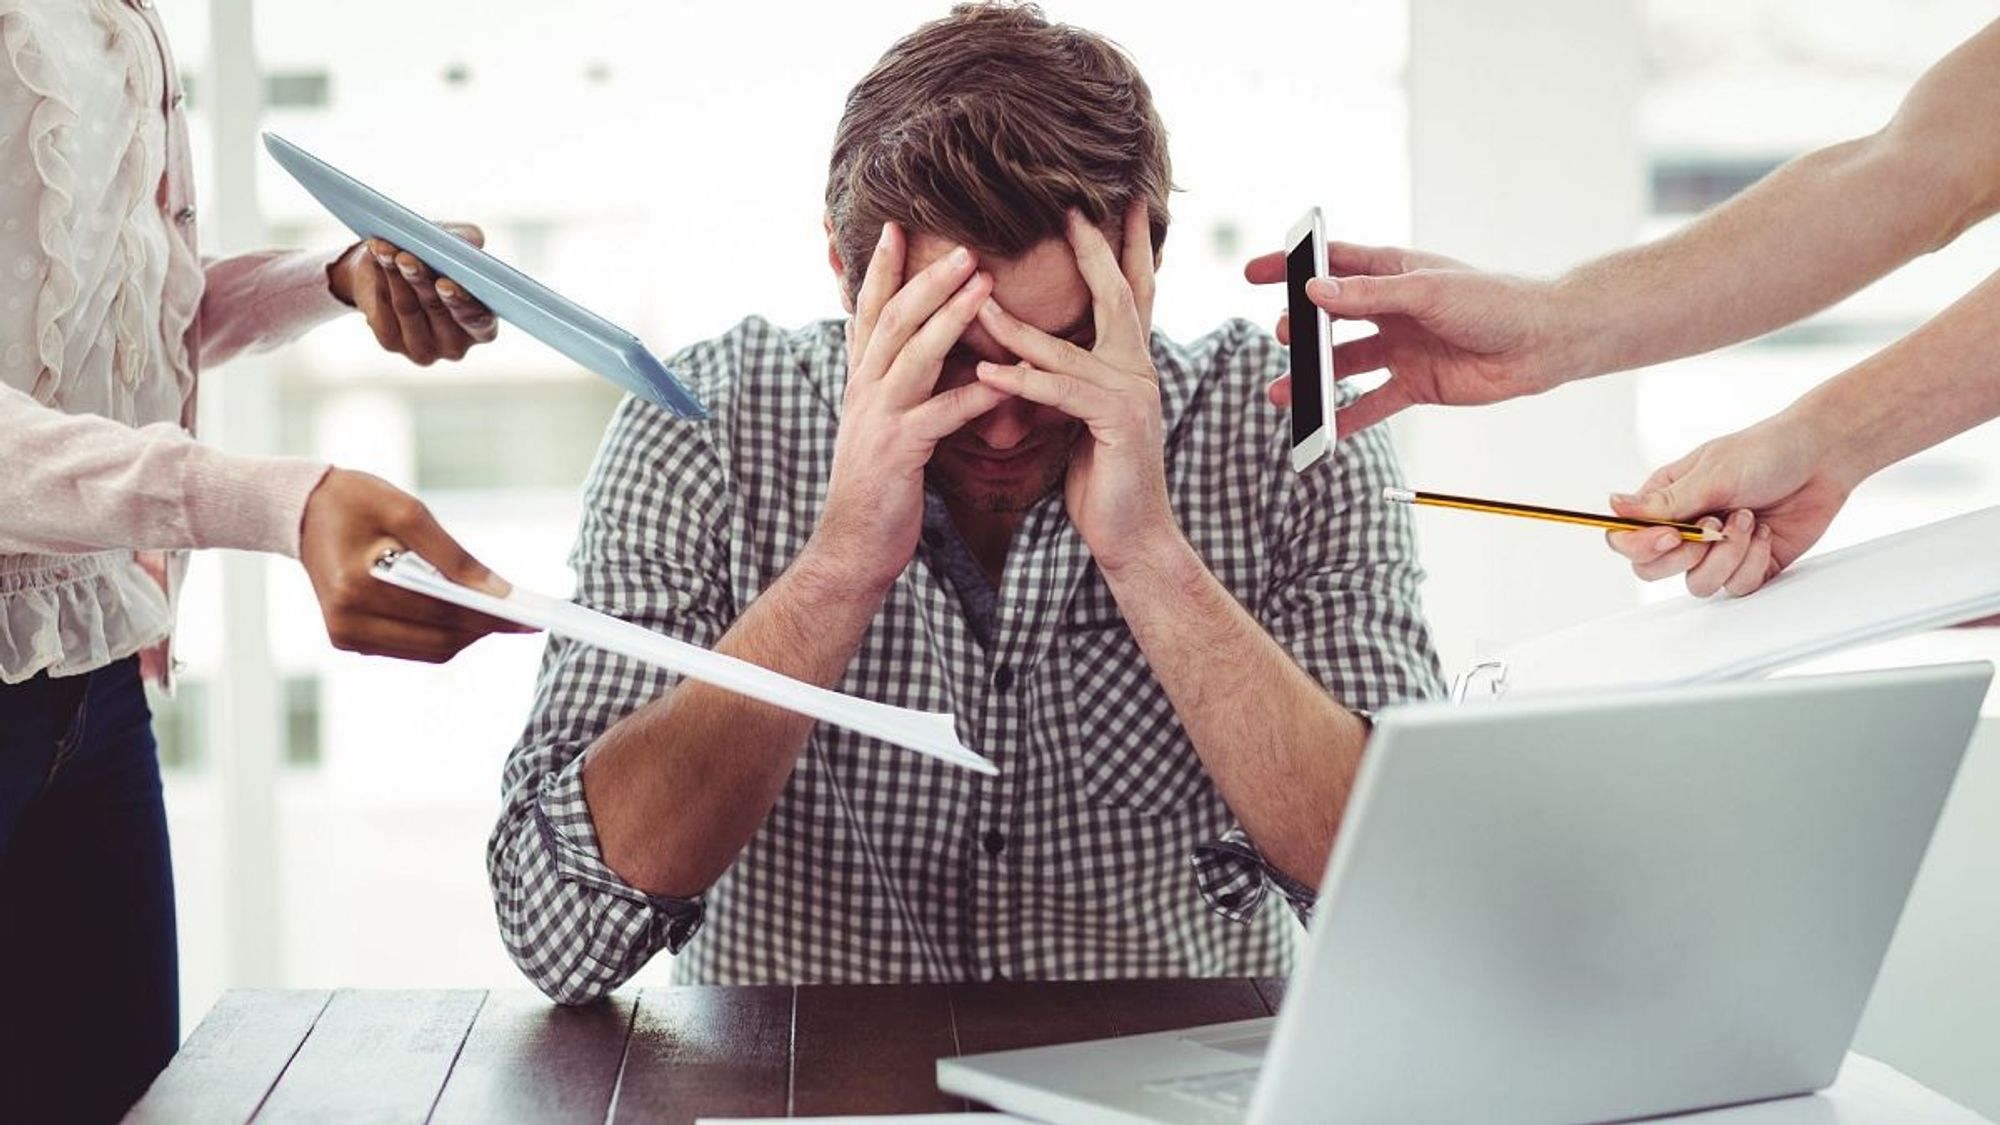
1447,334
1776,481
1117,487
890,422
412,311
350,520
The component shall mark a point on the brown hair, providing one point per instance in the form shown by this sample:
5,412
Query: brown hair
985,127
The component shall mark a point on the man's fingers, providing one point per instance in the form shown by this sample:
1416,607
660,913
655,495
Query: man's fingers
1265,269
1136,258
906,313
1358,357
1370,409
1031,343
1360,297
942,415
1075,397
1345,259
913,374
1113,304
878,285
1285,327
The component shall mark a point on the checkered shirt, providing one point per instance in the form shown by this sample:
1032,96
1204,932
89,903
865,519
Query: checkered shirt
1101,850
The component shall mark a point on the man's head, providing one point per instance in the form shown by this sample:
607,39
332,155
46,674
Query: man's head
984,129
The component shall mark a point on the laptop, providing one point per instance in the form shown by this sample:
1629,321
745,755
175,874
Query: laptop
1582,909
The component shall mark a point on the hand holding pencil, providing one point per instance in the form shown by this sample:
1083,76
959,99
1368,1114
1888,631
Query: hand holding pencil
1729,515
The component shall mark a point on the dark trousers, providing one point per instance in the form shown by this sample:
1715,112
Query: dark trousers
89,993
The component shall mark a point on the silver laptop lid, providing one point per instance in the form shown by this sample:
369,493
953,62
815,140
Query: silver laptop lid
1599,908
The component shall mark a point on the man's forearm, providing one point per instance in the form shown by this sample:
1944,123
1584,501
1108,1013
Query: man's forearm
1808,235
677,788
1938,381
1282,752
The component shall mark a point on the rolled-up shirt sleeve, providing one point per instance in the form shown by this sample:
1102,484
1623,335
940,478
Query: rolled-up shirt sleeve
651,549
1343,600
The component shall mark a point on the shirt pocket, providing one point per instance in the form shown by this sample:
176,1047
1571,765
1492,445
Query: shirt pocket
1126,744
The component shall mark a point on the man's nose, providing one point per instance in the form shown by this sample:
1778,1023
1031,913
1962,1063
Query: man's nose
1004,426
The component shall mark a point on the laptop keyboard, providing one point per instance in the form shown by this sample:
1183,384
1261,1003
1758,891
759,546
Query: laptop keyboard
1224,1089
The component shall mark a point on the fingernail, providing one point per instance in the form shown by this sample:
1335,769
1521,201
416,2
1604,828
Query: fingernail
990,306
1764,533
1666,541
1739,520
385,261
1624,498
1324,288
960,256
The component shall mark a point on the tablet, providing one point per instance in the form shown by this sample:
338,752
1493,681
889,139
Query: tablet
520,300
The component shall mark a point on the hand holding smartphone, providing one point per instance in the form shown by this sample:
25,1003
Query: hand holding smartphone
1312,344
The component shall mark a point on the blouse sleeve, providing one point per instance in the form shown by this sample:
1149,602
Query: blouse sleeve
252,302
73,483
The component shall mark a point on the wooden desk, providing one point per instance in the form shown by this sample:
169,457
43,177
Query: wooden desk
662,1055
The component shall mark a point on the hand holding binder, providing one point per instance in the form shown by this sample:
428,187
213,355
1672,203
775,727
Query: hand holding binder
1927,578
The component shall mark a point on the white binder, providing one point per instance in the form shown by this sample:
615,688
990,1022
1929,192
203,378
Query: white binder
1941,574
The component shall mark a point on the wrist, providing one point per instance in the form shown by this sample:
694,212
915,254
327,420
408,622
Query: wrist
1839,430
825,575
340,275
1573,344
1161,561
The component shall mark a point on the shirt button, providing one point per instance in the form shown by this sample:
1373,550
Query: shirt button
185,215
1003,678
178,100
993,842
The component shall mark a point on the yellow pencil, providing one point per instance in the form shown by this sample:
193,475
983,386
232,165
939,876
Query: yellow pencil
1694,533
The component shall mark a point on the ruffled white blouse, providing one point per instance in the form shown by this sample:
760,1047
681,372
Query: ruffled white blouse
106,313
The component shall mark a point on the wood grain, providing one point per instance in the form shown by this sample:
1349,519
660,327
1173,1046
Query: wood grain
229,1065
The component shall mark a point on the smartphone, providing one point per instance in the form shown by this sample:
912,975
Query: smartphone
1312,344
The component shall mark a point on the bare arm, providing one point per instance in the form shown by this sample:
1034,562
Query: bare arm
671,811
1809,234
1282,752
1794,471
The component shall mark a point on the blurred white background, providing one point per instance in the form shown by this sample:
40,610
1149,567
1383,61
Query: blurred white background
664,162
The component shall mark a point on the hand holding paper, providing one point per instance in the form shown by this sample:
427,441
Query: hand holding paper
927,732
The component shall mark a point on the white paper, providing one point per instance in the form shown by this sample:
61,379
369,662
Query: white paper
933,733
1929,577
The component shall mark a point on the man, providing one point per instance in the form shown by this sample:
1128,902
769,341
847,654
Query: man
1804,237
993,492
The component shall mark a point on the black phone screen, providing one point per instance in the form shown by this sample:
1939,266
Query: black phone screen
1308,412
